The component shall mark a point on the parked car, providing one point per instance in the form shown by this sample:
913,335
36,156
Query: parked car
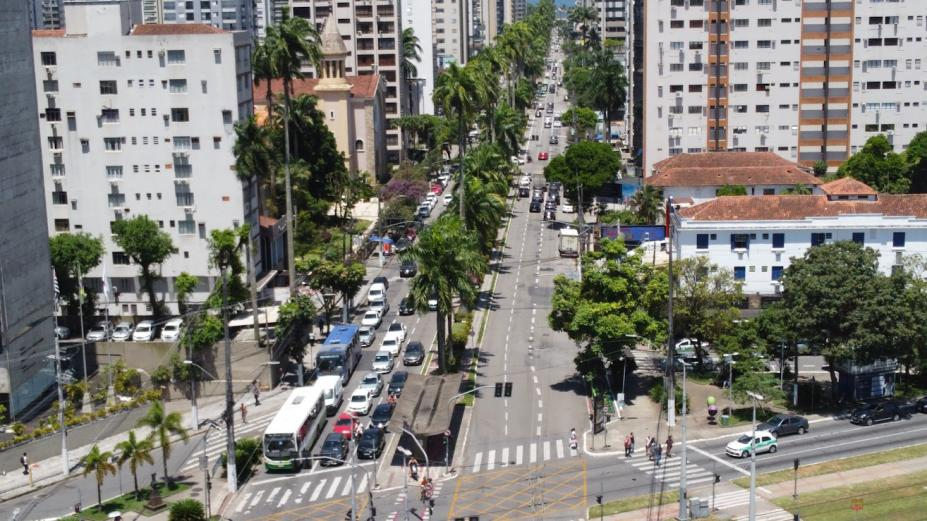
371,319
373,383
448,198
171,330
376,292
122,332
366,336
345,424
906,408
869,413
360,402
406,307
408,268
784,424
335,446
100,331
765,441
397,383
371,444
398,329
402,245
687,345
381,415
921,405
383,362
144,331
62,332
414,355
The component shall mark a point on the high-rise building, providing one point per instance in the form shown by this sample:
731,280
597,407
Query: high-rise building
612,19
46,14
138,119
371,30
230,15
451,37
417,16
811,80
26,304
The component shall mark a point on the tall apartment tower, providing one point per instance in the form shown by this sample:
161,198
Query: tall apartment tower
26,304
138,119
417,15
809,80
451,22
230,15
612,18
372,31
46,14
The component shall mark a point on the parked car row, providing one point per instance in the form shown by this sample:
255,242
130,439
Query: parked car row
124,331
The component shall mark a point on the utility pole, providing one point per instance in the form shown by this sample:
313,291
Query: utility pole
252,281
755,397
683,511
59,380
670,382
86,406
290,232
229,397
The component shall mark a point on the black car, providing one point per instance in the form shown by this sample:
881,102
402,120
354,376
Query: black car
414,354
397,382
405,306
554,139
784,424
535,207
382,415
869,413
381,280
335,446
402,245
371,443
408,268
921,405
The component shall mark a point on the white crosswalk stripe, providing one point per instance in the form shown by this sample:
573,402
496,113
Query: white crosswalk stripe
670,470
284,498
318,490
217,441
242,503
542,450
333,488
772,515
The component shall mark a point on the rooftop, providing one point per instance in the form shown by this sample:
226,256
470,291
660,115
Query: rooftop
800,207
729,168
364,86
847,186
332,43
173,29
48,33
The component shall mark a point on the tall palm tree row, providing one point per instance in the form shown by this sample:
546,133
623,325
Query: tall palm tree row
135,452
411,53
163,425
99,463
456,92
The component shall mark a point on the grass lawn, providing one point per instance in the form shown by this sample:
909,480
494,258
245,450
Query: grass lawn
900,498
840,465
126,503
743,416
632,503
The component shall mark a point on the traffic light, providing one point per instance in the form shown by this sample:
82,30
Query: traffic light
508,389
498,389
598,499
795,463
717,478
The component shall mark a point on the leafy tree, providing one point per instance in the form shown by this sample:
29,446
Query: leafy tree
585,164
411,53
247,456
877,165
704,302
916,157
296,315
73,254
763,383
731,190
798,190
585,121
135,452
98,463
187,510
608,84
184,285
423,128
144,242
225,246
333,277
647,204
819,168
202,331
510,129
254,161
163,425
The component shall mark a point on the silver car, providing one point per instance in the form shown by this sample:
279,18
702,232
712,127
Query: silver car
372,383
123,332
100,331
367,336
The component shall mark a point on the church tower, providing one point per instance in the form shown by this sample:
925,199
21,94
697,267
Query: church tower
334,91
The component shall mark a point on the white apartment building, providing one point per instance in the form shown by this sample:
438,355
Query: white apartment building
138,120
417,15
612,18
371,30
810,80
756,237
451,40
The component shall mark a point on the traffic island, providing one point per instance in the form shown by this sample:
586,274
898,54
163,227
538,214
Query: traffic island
132,503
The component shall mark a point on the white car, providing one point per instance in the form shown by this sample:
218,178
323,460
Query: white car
376,292
171,330
391,345
433,303
398,329
372,383
122,332
383,361
100,331
557,123
765,441
360,402
518,160
367,336
144,331
448,198
372,318
380,306
568,208
687,345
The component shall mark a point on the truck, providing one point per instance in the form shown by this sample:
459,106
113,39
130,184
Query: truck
569,242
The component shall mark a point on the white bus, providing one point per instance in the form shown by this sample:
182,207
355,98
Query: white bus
295,429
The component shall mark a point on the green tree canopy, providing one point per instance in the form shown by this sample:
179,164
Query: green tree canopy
585,120
332,277
587,164
73,254
877,165
916,156
732,190
147,245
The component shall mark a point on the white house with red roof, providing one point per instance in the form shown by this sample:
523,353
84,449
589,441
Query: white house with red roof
756,237
695,178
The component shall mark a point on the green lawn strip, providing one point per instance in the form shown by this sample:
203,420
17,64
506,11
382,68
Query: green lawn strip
900,498
126,503
632,503
838,465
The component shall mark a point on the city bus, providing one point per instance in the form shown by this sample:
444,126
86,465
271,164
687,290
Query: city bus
294,430
340,353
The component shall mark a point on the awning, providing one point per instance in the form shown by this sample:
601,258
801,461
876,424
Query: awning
425,406
266,315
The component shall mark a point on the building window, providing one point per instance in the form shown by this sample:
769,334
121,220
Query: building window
859,238
776,272
186,227
56,142
898,240
62,225
178,86
110,115
176,57
740,241
50,85
226,117
817,239
52,115
182,143
778,240
740,272
49,59
107,58
359,145
701,241
113,144
59,196
108,87
56,169
769,191
180,115
120,257
114,171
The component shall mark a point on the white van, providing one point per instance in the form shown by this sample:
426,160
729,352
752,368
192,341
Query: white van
332,391
376,292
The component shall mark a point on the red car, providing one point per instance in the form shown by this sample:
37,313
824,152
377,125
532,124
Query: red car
542,156
345,425
436,189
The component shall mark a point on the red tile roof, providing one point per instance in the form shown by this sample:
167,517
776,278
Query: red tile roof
729,168
364,86
266,221
847,186
798,207
171,29
48,33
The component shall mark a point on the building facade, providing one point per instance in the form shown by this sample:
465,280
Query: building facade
230,15
26,303
808,80
139,120
371,31
417,15
756,237
451,36
46,14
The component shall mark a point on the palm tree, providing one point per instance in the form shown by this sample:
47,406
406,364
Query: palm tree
99,464
411,53
648,203
608,86
163,425
509,129
263,69
485,209
135,452
456,92
253,157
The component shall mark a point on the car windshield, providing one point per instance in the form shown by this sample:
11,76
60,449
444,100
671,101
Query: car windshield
413,349
170,327
332,443
329,363
744,439
399,378
371,314
343,422
359,398
776,420
142,329
370,379
395,326
278,445
381,358
389,342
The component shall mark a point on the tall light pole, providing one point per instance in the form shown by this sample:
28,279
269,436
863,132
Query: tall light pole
195,413
86,406
290,232
752,516
683,511
670,385
232,470
406,453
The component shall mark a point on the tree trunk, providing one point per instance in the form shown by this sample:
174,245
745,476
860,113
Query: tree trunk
135,480
99,496
273,171
462,140
833,378
442,369
164,460
148,281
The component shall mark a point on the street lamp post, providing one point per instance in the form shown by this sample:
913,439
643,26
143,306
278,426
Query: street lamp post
683,511
194,411
405,480
752,516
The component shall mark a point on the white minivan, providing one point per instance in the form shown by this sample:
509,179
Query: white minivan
376,292
332,391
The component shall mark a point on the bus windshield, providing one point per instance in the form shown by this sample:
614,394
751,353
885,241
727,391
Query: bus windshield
278,446
329,363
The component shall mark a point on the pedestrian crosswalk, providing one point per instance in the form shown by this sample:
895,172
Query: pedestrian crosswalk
773,515
295,493
416,509
217,441
530,453
741,498
670,470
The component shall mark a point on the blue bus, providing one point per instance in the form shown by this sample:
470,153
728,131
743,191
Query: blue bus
340,353
343,334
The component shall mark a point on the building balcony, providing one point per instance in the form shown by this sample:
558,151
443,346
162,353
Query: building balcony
185,199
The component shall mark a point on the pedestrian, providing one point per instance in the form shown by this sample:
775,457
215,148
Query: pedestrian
627,446
657,452
669,446
24,461
413,469
256,389
244,413
649,448
632,446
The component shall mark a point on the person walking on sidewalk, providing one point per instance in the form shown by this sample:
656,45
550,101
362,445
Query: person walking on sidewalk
631,454
244,413
24,461
649,448
669,446
627,446
657,452
256,389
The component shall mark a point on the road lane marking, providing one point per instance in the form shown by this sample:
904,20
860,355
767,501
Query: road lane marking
533,453
535,379
519,455
363,483
318,491
347,486
477,461
546,450
333,488
242,503
284,498
540,417
538,389
505,457
273,494
256,500
559,448
491,460
721,461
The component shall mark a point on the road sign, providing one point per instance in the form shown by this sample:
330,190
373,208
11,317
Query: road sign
856,504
